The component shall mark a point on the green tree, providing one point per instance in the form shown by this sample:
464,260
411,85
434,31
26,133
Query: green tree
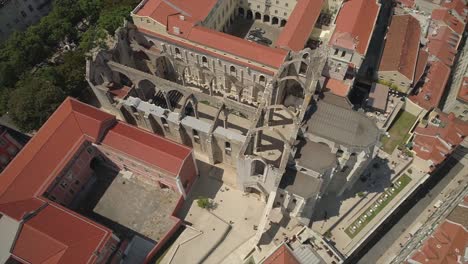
33,101
111,19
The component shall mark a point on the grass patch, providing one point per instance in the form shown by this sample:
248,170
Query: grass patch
377,206
399,131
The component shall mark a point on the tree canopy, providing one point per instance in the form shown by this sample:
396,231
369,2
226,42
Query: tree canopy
30,93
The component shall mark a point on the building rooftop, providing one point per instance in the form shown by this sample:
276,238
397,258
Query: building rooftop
459,6
402,46
463,92
337,87
300,25
51,232
430,143
314,156
184,20
421,65
448,243
445,16
443,44
354,25
430,94
300,183
378,96
334,122
282,255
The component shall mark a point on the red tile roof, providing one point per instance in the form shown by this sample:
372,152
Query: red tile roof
443,44
282,255
195,11
446,245
355,24
147,147
430,143
444,16
458,6
55,234
463,92
337,87
407,3
431,92
300,24
402,46
272,57
421,65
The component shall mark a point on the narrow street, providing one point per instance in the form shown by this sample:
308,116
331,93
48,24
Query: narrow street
409,211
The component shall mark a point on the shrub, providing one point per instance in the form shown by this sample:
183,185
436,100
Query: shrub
203,202
360,194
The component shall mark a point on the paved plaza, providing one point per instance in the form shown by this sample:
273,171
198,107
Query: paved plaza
212,235
142,208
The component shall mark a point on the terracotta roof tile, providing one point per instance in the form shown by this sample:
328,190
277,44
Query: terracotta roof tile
463,92
446,245
431,92
444,16
402,46
355,23
421,65
282,255
337,87
300,24
459,6
147,147
443,44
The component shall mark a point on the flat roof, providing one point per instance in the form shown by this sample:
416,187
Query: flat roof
299,183
378,96
314,156
334,122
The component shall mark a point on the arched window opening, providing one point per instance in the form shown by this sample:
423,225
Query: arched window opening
227,148
196,137
232,69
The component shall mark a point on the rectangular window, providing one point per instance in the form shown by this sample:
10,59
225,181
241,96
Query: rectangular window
64,184
343,53
227,148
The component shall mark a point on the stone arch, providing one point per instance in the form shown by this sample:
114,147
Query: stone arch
258,16
266,18
274,21
124,79
249,15
293,93
241,11
191,101
256,191
303,68
283,108
283,22
306,55
232,70
146,89
165,68
259,167
175,97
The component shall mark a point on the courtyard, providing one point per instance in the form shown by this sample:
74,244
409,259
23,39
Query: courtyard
255,31
211,236
399,131
138,206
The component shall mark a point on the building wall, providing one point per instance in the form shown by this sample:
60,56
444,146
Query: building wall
19,14
9,147
396,78
452,103
73,177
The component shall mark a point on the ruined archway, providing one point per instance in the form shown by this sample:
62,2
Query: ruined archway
258,16
146,89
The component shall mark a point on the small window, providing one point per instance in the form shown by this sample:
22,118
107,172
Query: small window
336,52
262,78
204,61
165,124
286,4
343,53
196,137
227,148
294,201
64,184
2,142
232,69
